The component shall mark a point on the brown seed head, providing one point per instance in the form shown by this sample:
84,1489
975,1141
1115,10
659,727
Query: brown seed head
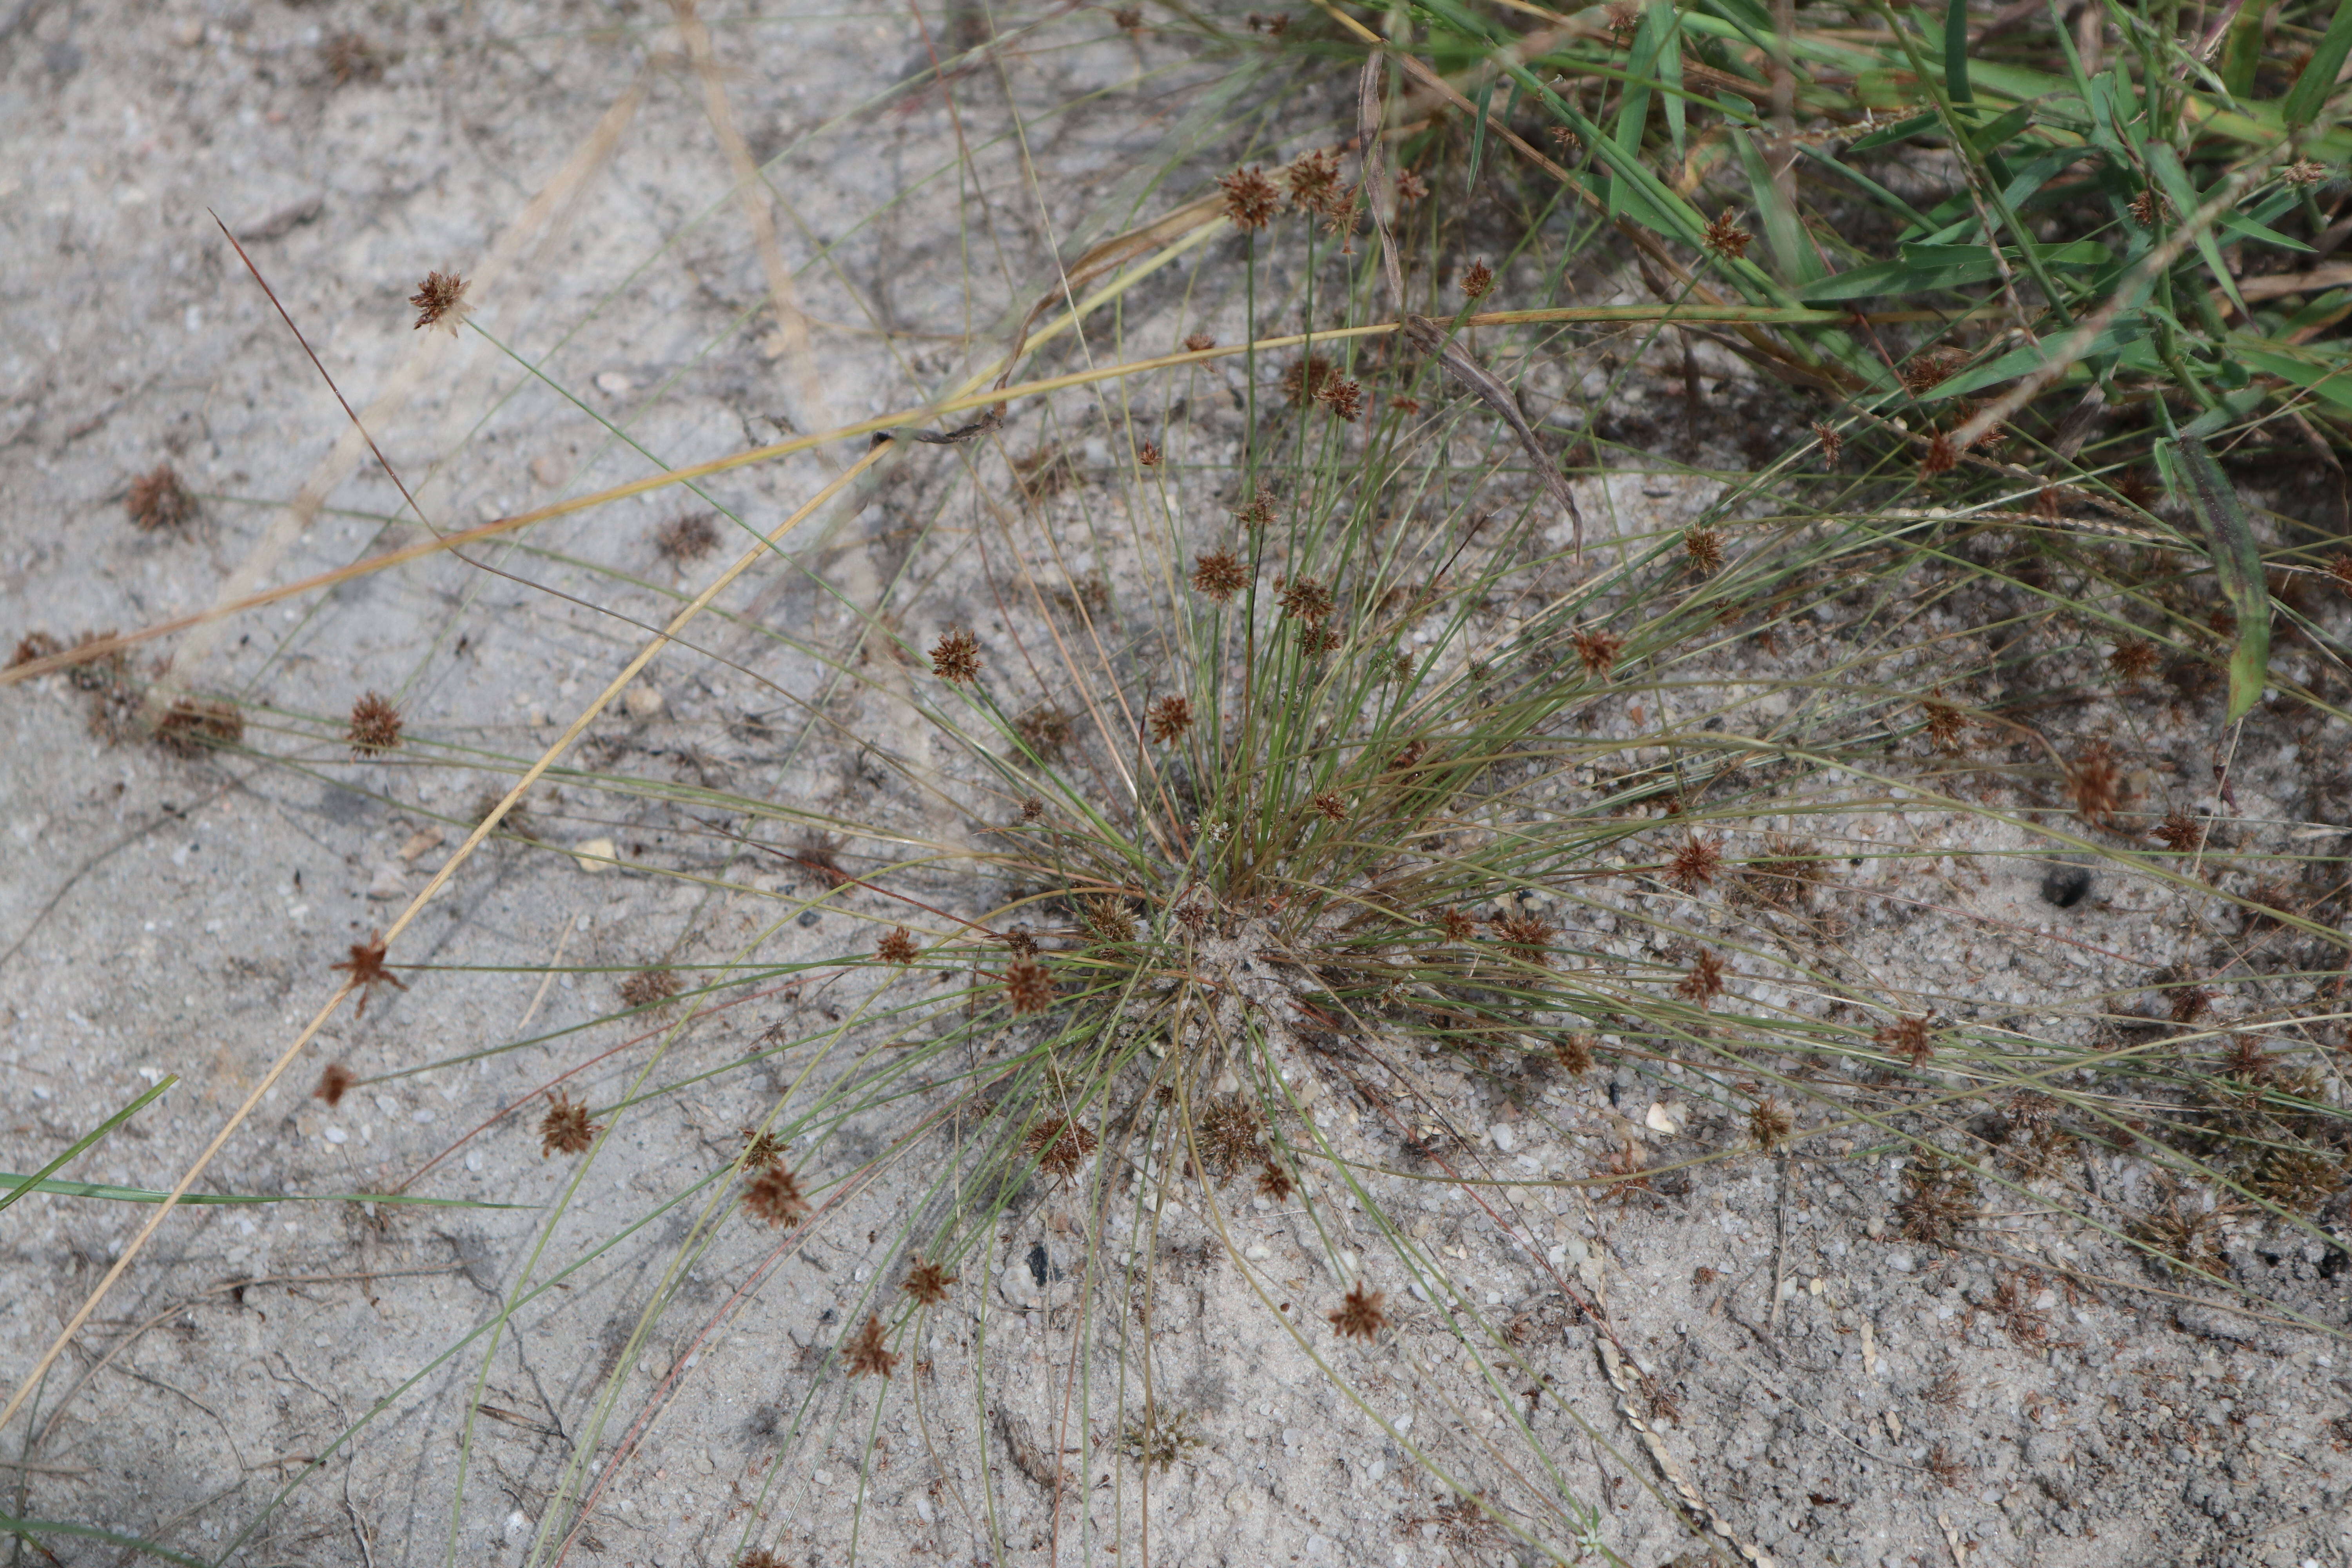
1343,397
1478,279
194,725
1767,1123
896,946
565,1128
1313,181
1059,1146
687,537
1597,650
2190,1002
1944,725
1457,926
2146,207
1032,809
1703,547
1908,1037
1250,198
1306,378
1527,937
1930,369
867,1350
761,1149
33,646
1410,188
440,299
1331,803
1574,1051
956,657
1569,142
1832,440
374,728
1198,342
1306,600
1147,456
2134,659
1168,719
1219,575
158,501
927,1282
773,1195
2095,785
333,1084
1229,1134
1696,863
1194,916
1107,917
2302,173
649,987
1021,944
1727,238
2181,833
366,968
1703,983
1941,458
1315,641
1274,1183
1359,1314
1028,986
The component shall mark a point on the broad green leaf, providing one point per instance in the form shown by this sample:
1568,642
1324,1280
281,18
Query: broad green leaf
148,1195
2165,163
26,1184
2261,233
1901,131
2311,90
1990,138
2237,562
1956,55
2331,382
1945,267
1784,230
2243,56
2118,335
1634,107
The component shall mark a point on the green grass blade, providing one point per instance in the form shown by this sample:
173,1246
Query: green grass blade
40,1177
2310,93
33,1529
113,1194
1784,231
2173,176
1956,55
2237,562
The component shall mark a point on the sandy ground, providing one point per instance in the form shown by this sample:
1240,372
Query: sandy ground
1831,1393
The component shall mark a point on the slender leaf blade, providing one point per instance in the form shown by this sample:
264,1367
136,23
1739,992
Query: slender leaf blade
2310,92
2237,563
39,1178
113,1194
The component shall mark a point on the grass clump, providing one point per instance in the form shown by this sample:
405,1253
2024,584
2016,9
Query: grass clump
1273,808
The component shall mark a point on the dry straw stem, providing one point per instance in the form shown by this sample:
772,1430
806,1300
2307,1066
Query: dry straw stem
482,830
100,647
238,593
754,195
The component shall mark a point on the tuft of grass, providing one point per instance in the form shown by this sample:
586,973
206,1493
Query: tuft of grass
1254,786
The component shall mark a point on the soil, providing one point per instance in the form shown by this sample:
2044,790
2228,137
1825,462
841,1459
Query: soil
1827,1387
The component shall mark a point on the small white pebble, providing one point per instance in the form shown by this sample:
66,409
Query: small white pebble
334,1135
1257,1252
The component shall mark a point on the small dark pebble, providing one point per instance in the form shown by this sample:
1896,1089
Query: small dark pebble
2066,886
